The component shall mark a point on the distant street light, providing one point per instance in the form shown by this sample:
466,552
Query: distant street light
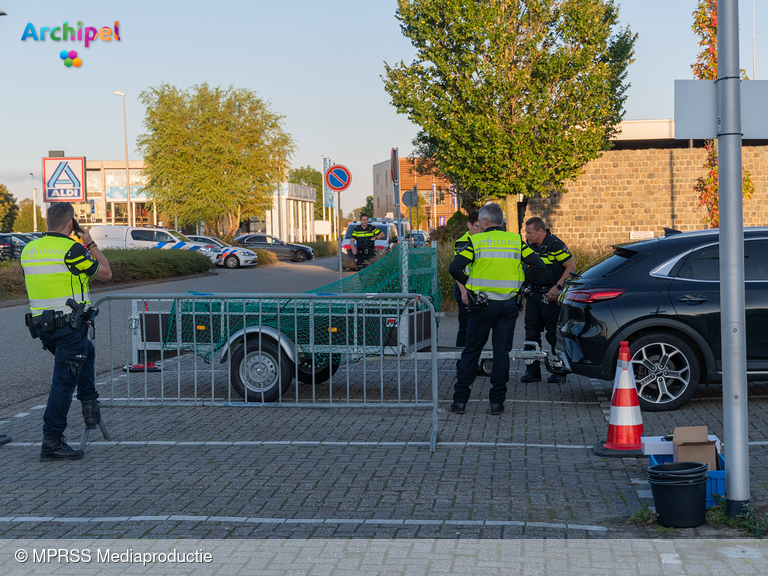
127,177
34,204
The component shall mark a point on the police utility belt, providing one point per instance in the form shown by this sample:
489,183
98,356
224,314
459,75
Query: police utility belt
51,320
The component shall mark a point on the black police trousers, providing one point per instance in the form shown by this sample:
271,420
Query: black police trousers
540,317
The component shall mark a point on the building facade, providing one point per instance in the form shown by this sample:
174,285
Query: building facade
644,184
434,194
291,218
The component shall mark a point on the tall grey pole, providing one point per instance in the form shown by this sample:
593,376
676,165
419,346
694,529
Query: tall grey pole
127,176
34,204
338,219
732,325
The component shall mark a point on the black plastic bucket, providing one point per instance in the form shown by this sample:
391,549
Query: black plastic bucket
679,493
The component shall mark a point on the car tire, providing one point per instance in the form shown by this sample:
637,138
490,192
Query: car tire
232,262
300,256
666,371
322,375
486,366
264,371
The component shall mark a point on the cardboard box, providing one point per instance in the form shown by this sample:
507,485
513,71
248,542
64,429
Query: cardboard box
692,444
656,445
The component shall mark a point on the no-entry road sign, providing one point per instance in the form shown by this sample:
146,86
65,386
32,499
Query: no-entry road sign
338,178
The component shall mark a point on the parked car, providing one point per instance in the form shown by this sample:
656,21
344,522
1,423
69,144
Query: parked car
418,238
663,296
158,238
229,256
25,237
295,252
10,247
383,245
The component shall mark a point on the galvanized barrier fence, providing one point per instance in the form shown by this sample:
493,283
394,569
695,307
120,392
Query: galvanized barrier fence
332,350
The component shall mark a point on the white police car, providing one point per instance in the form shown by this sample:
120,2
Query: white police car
229,256
157,238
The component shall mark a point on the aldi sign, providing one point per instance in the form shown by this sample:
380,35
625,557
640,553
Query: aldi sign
64,179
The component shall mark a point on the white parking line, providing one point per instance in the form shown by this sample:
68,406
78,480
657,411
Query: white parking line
311,443
243,520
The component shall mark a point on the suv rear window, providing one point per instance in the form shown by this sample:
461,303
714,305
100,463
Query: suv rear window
612,262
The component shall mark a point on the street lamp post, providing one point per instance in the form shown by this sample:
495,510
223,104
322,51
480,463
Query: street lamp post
127,176
34,204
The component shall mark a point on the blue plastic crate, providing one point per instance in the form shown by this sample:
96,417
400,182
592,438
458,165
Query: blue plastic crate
715,484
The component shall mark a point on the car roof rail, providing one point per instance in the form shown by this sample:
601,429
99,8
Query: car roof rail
671,232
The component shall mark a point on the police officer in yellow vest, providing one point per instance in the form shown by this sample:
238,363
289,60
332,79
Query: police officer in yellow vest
57,269
496,258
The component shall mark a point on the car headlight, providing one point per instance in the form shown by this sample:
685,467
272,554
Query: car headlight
204,249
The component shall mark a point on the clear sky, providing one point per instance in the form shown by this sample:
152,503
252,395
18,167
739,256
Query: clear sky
318,63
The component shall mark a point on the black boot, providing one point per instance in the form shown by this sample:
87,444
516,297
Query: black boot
91,413
532,373
55,447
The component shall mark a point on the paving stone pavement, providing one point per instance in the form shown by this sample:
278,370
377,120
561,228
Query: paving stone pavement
279,472
535,557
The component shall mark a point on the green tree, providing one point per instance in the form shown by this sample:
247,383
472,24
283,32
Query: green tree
515,95
308,176
8,210
212,154
705,68
24,221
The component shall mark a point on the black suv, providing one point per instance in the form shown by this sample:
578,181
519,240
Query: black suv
663,296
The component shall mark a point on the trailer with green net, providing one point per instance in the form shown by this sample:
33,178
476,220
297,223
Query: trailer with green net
271,339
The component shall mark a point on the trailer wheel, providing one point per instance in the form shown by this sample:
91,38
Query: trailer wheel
486,366
321,374
263,373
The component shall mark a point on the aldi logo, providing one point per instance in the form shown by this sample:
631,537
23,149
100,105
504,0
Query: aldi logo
64,179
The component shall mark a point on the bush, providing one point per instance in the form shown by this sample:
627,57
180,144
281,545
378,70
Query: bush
323,249
265,257
137,265
11,281
127,266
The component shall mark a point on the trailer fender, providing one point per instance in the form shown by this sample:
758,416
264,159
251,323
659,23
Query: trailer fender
251,334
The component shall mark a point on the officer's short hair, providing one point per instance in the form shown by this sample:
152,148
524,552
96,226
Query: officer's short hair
536,222
59,214
493,213
366,215
473,217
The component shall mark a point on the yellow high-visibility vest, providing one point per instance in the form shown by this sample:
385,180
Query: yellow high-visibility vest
497,263
50,283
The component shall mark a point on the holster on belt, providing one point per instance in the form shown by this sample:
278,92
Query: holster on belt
30,324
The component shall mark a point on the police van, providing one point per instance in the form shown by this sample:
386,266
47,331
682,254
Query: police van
157,238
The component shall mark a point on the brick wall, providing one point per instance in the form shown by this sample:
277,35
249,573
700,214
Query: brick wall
642,190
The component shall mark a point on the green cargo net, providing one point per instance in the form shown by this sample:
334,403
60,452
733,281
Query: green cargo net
332,330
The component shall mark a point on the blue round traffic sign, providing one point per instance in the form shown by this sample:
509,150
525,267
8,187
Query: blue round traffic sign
338,178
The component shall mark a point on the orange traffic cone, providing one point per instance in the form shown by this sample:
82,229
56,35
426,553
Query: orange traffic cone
625,424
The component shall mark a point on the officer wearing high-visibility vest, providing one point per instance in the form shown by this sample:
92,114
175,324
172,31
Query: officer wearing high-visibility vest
496,258
57,270
364,242
542,308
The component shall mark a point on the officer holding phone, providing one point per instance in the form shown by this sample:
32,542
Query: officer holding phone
57,271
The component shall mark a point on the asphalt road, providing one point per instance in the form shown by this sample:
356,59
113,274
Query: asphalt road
27,368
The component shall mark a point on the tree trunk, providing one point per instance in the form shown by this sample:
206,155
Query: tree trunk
511,213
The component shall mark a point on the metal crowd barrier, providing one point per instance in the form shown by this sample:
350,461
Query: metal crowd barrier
321,350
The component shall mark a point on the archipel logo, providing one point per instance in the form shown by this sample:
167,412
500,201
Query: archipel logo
66,33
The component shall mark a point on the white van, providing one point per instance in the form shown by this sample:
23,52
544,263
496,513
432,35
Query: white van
158,238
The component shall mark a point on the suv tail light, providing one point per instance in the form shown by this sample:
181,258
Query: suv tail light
594,295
